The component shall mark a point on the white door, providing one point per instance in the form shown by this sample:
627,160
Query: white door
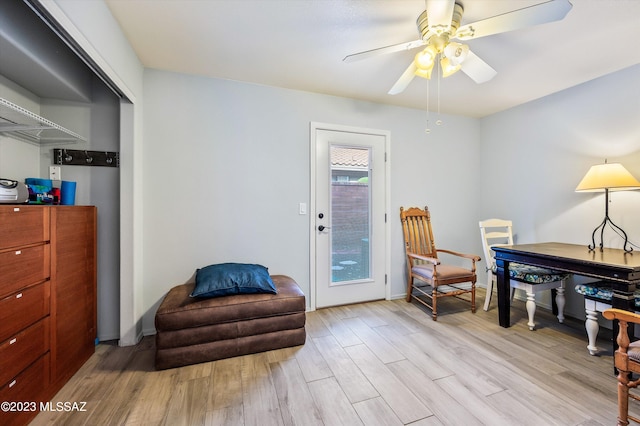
349,221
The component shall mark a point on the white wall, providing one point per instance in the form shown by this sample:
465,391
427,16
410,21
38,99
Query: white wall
226,164
534,156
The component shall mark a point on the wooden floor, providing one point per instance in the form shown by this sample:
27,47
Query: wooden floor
380,363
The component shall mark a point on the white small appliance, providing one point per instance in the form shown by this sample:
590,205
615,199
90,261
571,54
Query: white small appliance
13,192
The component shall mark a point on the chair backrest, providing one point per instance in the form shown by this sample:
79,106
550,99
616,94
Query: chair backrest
418,236
495,232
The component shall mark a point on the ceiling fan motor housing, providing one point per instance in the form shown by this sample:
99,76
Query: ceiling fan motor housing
428,31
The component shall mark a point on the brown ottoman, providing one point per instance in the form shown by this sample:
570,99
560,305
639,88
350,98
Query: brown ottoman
191,330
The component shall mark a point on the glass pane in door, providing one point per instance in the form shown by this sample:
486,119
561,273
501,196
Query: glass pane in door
350,214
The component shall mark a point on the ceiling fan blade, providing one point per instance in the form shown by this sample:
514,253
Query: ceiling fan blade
477,69
384,50
542,13
404,79
439,13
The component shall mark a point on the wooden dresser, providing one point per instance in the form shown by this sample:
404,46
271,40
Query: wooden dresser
47,301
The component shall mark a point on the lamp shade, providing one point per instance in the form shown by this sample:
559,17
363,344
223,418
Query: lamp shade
611,176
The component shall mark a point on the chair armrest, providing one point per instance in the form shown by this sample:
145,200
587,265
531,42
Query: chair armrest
623,317
431,260
473,257
621,359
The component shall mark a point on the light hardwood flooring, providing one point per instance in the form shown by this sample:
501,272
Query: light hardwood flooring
380,363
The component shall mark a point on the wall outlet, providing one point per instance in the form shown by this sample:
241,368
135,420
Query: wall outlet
55,173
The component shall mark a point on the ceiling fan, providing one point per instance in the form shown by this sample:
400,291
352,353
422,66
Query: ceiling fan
439,24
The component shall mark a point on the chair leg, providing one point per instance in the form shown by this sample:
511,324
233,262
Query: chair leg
487,298
592,327
409,288
434,299
560,302
623,399
531,309
473,297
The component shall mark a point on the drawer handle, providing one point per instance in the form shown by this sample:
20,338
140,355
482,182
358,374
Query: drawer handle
12,341
18,253
18,296
12,384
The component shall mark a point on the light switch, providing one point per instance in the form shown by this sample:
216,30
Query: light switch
55,173
302,208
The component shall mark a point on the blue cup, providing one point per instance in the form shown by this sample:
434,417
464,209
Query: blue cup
67,193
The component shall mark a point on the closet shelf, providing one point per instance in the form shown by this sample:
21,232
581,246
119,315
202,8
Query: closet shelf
29,127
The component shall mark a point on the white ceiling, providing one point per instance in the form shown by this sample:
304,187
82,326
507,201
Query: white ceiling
300,44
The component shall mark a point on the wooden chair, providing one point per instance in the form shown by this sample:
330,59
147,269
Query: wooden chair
423,264
627,361
531,279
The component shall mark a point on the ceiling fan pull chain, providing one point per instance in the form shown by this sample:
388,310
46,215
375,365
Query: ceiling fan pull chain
427,130
439,121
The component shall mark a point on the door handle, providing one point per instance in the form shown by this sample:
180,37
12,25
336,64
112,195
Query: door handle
322,228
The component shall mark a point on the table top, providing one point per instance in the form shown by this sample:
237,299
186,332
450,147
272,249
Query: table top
573,257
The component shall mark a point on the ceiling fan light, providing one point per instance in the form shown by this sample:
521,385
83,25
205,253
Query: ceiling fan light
425,59
424,73
448,68
456,52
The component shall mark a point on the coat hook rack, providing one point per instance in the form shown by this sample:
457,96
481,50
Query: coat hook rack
75,157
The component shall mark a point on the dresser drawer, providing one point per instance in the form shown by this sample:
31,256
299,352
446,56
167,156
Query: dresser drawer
23,225
28,387
22,349
23,308
22,267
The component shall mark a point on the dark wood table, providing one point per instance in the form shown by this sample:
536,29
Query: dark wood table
619,269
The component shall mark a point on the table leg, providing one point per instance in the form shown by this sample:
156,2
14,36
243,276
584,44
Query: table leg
502,284
623,295
554,302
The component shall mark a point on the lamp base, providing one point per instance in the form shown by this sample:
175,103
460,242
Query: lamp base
616,228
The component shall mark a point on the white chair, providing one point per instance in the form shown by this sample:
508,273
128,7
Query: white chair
597,298
531,279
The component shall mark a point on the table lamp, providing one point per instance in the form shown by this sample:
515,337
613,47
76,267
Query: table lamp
604,178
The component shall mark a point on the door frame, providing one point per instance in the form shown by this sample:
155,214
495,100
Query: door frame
313,129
